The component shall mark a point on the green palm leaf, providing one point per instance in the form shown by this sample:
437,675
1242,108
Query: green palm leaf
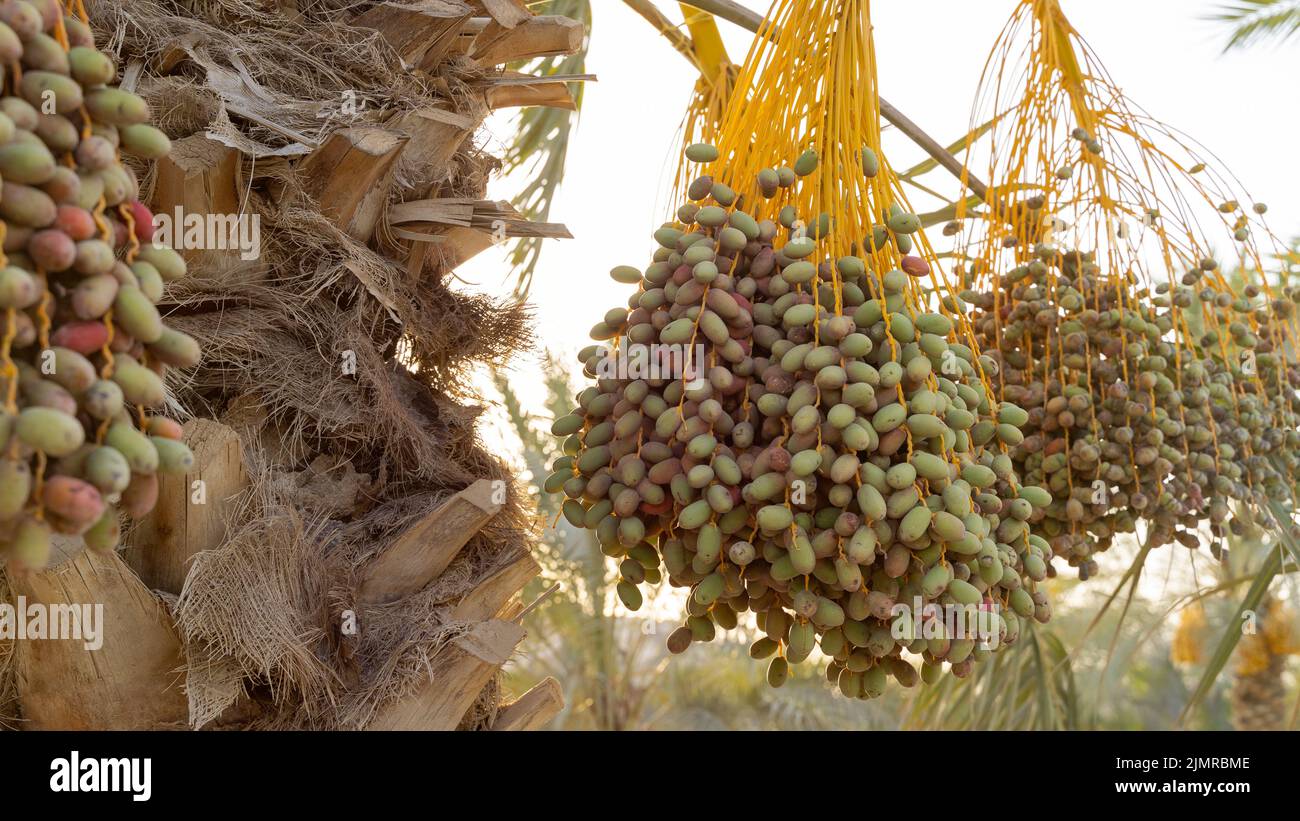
540,145
1253,21
1232,634
928,165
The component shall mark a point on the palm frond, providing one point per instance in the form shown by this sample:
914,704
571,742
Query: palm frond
948,212
540,145
1253,21
1029,685
957,147
1232,633
671,31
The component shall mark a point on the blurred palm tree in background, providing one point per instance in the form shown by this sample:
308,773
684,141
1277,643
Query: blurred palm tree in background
1254,21
1259,691
1257,687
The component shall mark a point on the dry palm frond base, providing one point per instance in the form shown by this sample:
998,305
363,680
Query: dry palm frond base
260,615
8,690
345,372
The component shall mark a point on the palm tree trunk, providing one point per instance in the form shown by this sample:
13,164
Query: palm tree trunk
1258,699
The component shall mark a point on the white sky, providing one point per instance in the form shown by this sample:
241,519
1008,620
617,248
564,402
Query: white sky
1165,58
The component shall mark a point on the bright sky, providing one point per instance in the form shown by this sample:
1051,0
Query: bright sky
1162,53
